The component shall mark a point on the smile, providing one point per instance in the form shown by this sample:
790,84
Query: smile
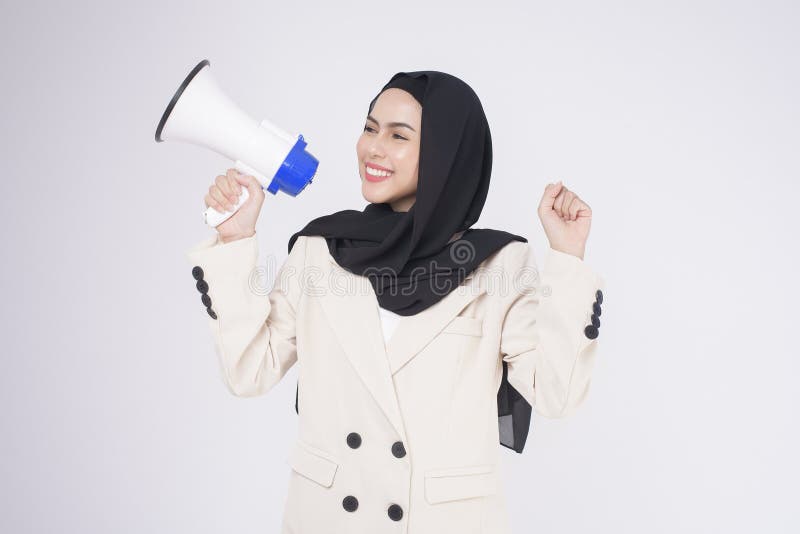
374,175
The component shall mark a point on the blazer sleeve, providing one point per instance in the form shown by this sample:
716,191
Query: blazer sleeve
550,330
253,329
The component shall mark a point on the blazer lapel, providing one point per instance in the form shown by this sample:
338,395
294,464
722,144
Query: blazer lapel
351,306
414,332
353,313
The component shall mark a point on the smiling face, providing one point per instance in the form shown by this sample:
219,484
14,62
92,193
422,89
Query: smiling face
388,150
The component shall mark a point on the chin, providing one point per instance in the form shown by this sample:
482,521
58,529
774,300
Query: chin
370,193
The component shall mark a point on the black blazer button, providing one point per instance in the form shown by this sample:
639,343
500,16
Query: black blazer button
202,286
591,331
595,321
398,450
596,309
350,503
599,296
353,440
395,512
206,300
197,272
212,313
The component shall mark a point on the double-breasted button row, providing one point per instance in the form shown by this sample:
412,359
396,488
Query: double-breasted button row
593,330
350,503
354,442
395,511
202,287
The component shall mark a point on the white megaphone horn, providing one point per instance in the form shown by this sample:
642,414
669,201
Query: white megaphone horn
202,114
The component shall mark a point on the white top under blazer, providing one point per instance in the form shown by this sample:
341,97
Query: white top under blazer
389,321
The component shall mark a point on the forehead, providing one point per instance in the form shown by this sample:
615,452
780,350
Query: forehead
396,104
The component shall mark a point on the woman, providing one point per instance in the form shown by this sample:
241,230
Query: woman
413,363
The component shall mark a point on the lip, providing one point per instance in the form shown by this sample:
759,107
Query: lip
376,166
371,178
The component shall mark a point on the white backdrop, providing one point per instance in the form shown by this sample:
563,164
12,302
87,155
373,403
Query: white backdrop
676,121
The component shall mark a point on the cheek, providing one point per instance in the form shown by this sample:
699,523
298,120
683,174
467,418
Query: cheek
410,165
408,180
360,148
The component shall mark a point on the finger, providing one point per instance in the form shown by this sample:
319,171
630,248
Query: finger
237,189
221,183
565,207
227,184
573,208
585,210
234,183
211,202
550,193
221,198
250,182
558,204
568,200
243,179
233,187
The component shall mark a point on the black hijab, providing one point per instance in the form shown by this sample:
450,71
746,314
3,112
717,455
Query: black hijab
455,164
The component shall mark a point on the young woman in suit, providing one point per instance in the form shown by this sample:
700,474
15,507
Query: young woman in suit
413,364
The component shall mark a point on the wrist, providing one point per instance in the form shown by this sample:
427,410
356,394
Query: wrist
577,252
237,237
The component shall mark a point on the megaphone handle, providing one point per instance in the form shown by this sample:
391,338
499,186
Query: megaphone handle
214,218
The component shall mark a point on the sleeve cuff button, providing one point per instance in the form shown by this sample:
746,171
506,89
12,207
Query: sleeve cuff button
591,331
202,286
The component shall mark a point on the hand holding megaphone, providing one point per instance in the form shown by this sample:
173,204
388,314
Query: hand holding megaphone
224,195
202,114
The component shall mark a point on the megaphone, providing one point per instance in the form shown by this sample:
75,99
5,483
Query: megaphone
202,114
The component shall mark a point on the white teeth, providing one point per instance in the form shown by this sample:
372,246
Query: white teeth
374,172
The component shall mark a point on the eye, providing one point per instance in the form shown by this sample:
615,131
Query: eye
368,128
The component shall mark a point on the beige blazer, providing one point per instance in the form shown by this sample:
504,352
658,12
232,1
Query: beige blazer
404,438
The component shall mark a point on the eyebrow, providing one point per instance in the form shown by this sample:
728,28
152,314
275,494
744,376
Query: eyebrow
391,124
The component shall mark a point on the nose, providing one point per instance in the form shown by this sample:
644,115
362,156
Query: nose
376,146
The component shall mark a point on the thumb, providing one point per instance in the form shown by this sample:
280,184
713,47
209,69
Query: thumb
550,194
250,182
